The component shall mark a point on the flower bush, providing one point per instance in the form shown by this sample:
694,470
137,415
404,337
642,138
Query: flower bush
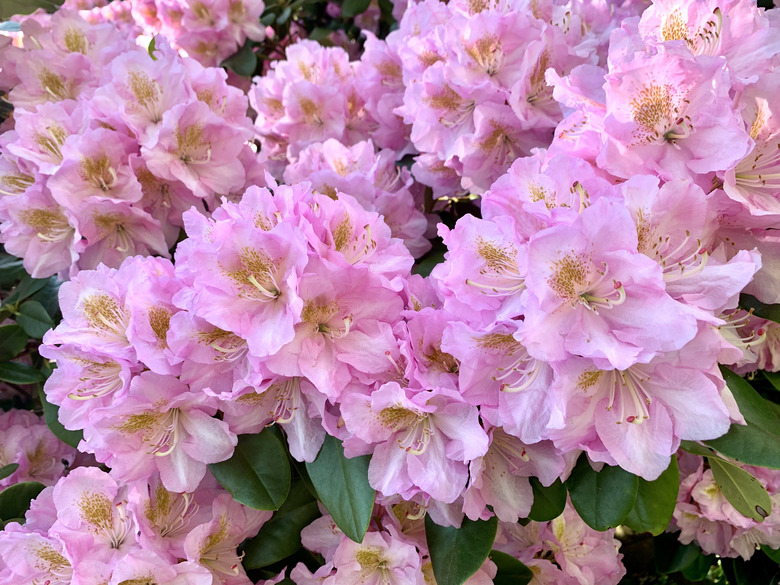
394,293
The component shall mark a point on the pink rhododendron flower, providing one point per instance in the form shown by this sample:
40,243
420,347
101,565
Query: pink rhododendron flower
635,417
415,433
667,114
161,426
245,279
379,560
592,294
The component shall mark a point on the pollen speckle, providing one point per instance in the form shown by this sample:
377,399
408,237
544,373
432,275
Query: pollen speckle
102,312
675,28
496,257
370,559
343,233
54,85
588,379
570,275
497,341
96,509
76,41
398,417
48,559
160,321
653,105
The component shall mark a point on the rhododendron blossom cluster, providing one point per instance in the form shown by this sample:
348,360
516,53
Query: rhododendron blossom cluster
231,268
704,516
26,441
110,144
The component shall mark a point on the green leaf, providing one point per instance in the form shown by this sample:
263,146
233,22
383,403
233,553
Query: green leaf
741,489
284,16
13,340
603,499
759,570
27,287
7,470
774,378
15,500
458,553
351,8
548,501
281,535
48,296
152,48
342,487
655,502
772,553
34,319
697,448
11,267
698,569
51,416
429,261
756,443
671,556
771,312
9,8
510,570
244,62
319,33
258,473
15,373
4,523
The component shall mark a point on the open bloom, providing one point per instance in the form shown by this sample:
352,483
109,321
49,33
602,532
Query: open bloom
590,293
422,440
161,426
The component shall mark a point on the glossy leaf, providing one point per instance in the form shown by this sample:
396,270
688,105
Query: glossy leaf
34,319
15,373
11,267
772,553
51,416
774,379
9,8
759,570
284,16
7,470
458,553
671,556
26,288
258,473
697,448
603,499
771,312
698,569
548,501
15,500
426,264
48,297
342,487
281,535
510,570
350,8
756,443
13,340
741,489
244,61
655,501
